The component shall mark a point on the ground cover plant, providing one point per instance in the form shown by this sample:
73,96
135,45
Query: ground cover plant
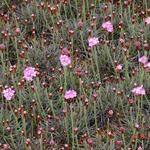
74,75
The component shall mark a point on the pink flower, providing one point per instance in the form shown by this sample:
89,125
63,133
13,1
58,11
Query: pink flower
147,66
108,26
2,47
70,94
8,93
65,60
17,30
143,60
93,41
29,73
118,68
139,90
147,20
140,148
64,51
137,126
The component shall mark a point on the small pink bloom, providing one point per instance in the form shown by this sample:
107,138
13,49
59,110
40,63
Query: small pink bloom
17,30
137,126
65,60
118,68
139,91
140,148
110,113
64,51
29,73
2,47
147,20
119,143
70,94
93,41
143,60
108,26
80,24
8,93
147,66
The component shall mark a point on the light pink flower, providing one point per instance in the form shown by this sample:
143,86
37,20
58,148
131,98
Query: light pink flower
139,90
140,148
147,20
70,94
17,30
65,60
93,41
143,60
118,68
108,26
137,126
8,93
29,73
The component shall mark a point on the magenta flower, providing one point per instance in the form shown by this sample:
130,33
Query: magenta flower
108,26
93,41
140,148
70,95
118,68
139,90
65,60
29,73
147,20
8,93
143,60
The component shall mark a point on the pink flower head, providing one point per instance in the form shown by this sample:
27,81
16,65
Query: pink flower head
118,68
140,148
143,60
8,93
147,20
29,73
2,47
70,95
147,66
139,90
108,26
65,60
64,51
93,41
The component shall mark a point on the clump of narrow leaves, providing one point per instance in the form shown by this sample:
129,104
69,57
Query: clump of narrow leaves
74,74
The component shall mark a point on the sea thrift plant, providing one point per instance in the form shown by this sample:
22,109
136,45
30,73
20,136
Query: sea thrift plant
29,73
8,93
65,60
72,65
92,41
143,60
139,91
108,26
118,68
70,95
147,20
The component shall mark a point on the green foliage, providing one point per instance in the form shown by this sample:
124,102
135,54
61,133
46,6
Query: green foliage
38,116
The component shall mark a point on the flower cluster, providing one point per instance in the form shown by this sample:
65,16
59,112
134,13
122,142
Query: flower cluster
70,95
65,60
108,26
92,41
29,73
8,93
139,90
